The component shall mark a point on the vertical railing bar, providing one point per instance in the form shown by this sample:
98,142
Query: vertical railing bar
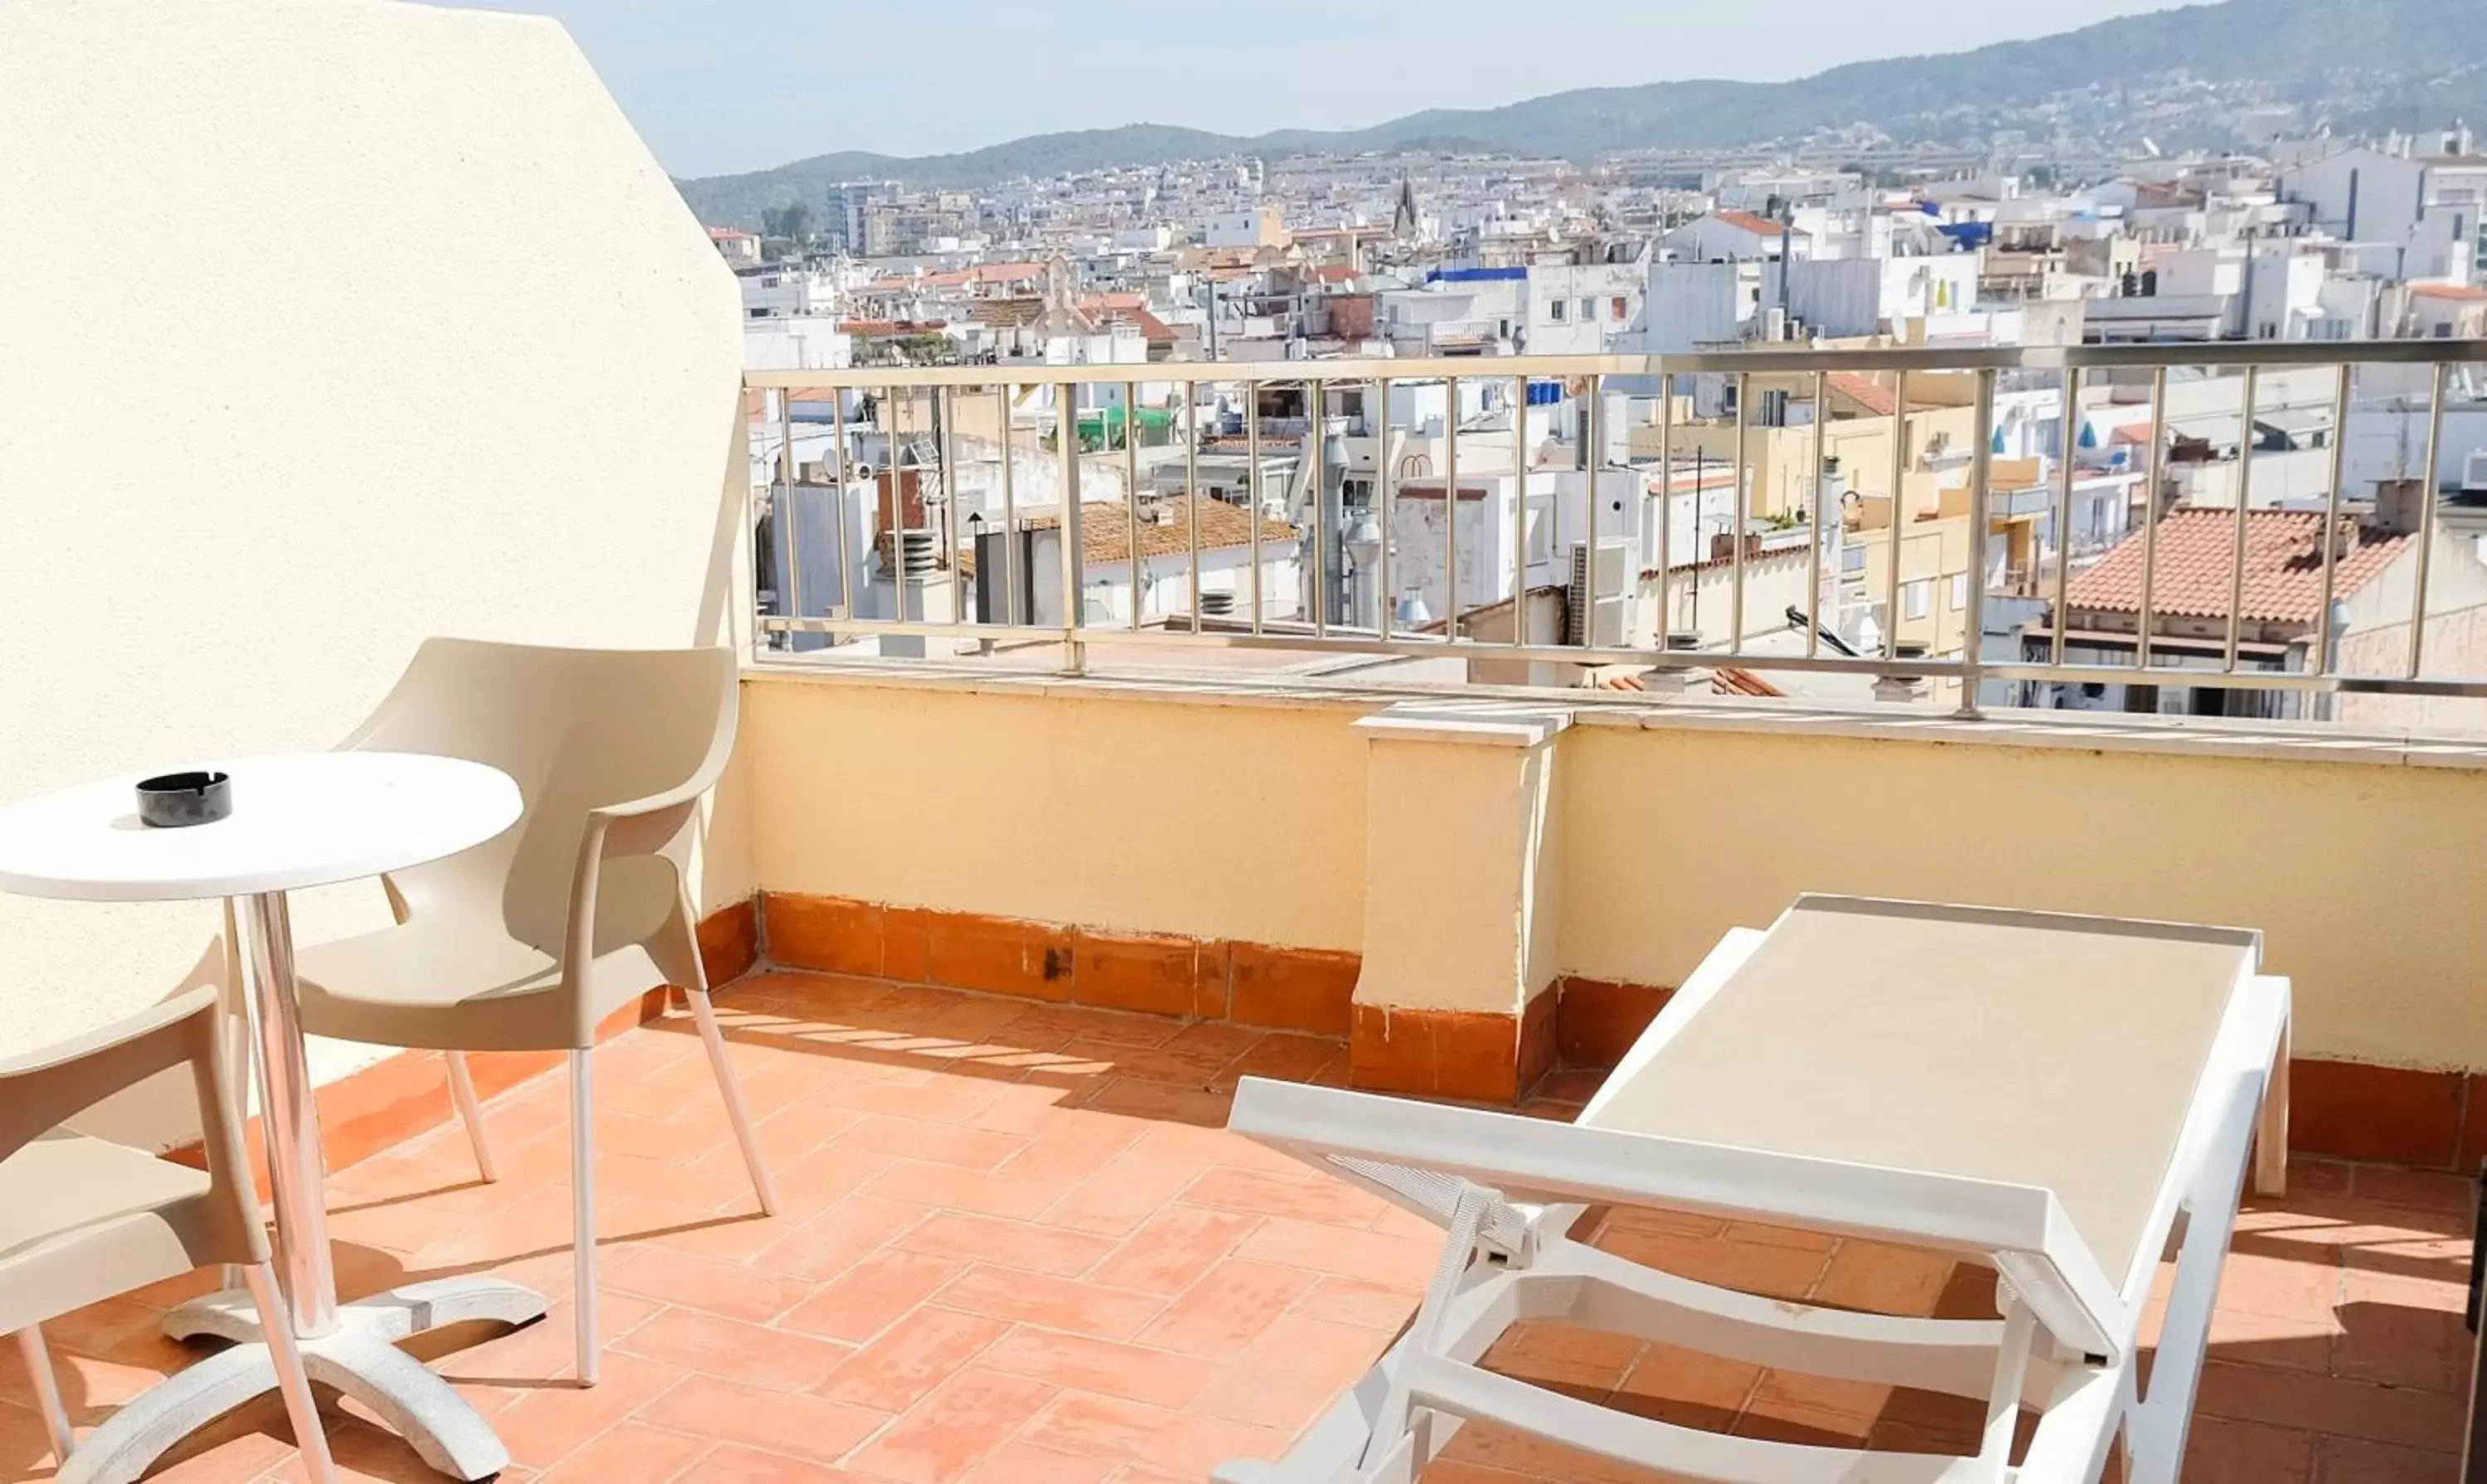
1893,516
1011,578
839,473
1191,486
1520,509
2237,530
1383,485
2332,521
1132,491
1252,490
1320,532
1735,572
789,524
1593,433
755,421
1982,467
1813,523
2065,448
1451,510
2426,517
1073,537
1667,506
897,507
946,402
2156,469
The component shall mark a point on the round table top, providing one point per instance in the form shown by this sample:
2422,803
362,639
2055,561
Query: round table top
298,820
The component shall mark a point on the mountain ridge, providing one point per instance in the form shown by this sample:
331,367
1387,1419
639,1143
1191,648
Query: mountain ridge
2353,63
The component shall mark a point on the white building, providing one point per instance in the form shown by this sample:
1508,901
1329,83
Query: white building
1690,306
1556,518
1227,584
1575,310
1260,227
1853,297
788,289
1456,312
1733,235
2431,213
796,343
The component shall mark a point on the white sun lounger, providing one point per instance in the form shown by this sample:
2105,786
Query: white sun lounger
2059,1098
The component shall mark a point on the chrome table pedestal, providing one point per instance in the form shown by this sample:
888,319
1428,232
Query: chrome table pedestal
350,1347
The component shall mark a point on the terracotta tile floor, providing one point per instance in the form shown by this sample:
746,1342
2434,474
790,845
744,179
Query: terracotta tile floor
1016,1249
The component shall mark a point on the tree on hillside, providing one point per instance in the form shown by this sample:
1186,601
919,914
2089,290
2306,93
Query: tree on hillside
791,221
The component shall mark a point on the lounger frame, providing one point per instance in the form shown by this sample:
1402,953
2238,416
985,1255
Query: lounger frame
1508,1189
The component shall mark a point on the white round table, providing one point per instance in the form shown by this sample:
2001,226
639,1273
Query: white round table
298,820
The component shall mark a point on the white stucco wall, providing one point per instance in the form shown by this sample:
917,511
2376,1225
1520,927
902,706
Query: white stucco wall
440,351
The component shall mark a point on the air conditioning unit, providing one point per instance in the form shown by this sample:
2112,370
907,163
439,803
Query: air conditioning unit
1605,629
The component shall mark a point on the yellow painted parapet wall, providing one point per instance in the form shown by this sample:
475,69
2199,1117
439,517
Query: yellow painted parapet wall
1144,809
1241,821
2366,879
323,327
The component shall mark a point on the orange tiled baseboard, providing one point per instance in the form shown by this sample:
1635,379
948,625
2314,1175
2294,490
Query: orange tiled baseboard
1475,1058
1209,979
400,1096
1484,1058
2337,1109
1596,1020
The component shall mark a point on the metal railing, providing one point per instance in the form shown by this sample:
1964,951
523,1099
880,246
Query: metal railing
1023,413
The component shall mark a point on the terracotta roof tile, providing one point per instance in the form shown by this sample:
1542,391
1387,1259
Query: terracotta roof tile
1865,391
1129,309
1727,680
1872,397
1105,532
2283,567
1761,226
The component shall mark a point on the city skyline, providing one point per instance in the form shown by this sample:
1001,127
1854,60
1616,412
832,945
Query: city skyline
721,95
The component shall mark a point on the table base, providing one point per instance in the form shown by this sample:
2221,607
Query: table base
359,1359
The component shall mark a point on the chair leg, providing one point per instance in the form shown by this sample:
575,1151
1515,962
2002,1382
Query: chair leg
48,1389
291,1380
582,1213
462,1091
737,1113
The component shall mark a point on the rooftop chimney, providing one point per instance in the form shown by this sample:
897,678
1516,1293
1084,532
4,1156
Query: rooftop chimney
2397,504
2344,538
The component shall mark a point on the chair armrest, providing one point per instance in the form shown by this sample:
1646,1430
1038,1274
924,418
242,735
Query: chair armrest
658,824
644,826
49,1087
103,1038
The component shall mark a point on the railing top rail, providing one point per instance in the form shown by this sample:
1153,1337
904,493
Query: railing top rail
1762,362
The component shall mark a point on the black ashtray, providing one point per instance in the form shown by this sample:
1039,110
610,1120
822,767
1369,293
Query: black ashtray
178,800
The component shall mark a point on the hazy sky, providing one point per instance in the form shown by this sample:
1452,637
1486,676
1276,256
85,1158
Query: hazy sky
729,85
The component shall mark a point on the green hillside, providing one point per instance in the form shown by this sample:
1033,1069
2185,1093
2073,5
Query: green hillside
2360,63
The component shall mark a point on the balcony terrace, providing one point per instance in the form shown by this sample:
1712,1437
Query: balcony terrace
1005,891
1016,1244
